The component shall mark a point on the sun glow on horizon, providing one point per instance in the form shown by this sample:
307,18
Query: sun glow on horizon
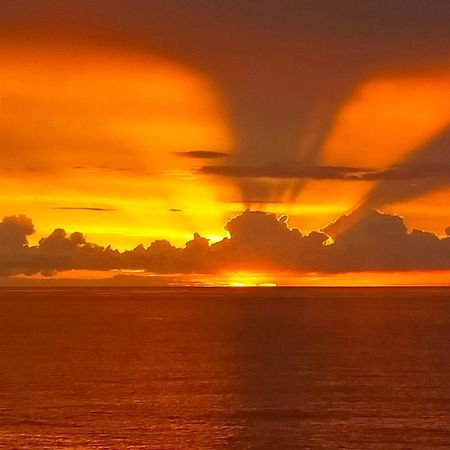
94,142
243,279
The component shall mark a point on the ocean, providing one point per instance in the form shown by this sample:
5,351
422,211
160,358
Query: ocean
225,368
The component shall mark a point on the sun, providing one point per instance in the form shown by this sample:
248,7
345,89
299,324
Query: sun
247,279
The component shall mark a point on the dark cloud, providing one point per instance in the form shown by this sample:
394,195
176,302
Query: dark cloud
83,208
287,172
176,210
202,154
14,231
414,178
257,241
14,250
434,175
378,241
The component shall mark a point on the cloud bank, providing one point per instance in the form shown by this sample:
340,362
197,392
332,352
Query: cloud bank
257,241
423,177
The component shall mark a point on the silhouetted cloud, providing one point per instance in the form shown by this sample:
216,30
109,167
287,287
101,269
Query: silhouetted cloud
376,241
291,171
202,154
83,208
257,241
431,174
14,250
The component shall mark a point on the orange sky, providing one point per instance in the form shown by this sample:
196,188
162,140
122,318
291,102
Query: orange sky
92,136
105,136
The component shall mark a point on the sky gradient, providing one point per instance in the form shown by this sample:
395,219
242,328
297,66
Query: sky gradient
136,122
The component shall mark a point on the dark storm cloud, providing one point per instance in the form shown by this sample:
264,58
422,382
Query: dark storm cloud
202,154
257,241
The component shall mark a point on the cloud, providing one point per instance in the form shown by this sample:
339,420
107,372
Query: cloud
14,250
83,208
14,231
257,241
378,241
202,154
287,172
428,175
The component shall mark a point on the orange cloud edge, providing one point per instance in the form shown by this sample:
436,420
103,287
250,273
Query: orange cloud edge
379,249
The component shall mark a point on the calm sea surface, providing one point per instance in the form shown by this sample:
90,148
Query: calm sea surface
195,369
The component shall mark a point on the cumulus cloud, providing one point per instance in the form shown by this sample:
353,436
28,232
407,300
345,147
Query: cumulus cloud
14,231
378,241
14,250
257,241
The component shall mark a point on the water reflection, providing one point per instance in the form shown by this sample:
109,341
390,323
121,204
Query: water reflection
225,369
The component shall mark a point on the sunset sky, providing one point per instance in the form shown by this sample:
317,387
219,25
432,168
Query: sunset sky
140,121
